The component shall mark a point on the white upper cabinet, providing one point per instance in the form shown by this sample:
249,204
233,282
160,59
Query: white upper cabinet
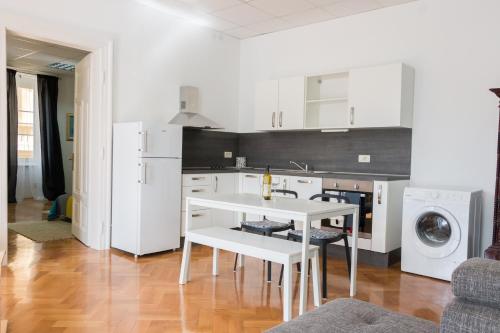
266,105
279,104
381,96
291,103
370,97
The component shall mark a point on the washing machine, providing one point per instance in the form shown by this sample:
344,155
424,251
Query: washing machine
441,229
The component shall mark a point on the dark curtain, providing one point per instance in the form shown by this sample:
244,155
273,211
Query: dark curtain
52,163
12,134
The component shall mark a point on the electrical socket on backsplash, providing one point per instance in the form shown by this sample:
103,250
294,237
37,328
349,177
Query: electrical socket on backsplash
228,154
364,158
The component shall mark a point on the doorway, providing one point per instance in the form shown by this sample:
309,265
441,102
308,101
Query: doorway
41,95
33,59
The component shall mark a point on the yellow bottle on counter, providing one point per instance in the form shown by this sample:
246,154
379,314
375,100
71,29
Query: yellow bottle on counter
267,184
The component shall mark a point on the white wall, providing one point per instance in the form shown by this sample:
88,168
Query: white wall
154,54
452,47
65,104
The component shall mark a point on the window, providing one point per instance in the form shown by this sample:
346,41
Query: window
25,107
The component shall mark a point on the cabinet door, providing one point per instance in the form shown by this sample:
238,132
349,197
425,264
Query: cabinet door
291,103
224,183
251,183
266,105
381,96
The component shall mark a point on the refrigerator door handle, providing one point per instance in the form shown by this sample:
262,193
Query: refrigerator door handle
142,173
143,144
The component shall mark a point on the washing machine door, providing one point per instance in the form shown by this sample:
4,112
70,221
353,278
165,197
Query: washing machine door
436,232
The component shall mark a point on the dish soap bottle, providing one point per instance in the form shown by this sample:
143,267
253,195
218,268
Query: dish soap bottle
267,184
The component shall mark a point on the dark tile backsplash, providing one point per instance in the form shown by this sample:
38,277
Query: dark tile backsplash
390,149
202,148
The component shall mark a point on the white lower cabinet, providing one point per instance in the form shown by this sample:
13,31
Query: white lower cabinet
208,183
251,183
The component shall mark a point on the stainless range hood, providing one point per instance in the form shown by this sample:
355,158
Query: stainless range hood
189,115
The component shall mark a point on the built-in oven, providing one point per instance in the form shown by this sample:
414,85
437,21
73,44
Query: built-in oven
359,192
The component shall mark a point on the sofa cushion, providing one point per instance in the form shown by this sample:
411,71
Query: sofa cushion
346,315
478,280
464,316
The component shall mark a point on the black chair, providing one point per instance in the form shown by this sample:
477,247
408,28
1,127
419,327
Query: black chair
267,227
322,238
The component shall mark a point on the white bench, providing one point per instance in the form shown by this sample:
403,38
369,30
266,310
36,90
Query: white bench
276,250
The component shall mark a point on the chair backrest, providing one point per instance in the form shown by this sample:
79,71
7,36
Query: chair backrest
338,198
286,192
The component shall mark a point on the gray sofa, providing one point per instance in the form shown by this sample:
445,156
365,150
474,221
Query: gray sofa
475,309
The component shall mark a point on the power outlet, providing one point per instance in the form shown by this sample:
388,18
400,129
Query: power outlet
364,158
228,154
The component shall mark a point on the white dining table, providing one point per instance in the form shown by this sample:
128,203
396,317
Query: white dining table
301,210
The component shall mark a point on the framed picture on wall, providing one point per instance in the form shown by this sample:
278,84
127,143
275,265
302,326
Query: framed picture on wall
70,126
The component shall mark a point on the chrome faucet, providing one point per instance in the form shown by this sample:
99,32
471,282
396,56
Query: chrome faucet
305,167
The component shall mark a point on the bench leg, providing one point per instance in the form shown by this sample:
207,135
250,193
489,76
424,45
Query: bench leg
186,258
215,262
287,293
315,277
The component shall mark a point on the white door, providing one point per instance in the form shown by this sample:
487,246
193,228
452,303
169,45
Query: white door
375,96
266,105
291,103
160,204
80,149
224,183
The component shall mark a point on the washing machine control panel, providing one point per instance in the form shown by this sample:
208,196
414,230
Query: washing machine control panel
436,195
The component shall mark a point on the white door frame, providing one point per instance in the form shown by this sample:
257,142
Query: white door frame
100,128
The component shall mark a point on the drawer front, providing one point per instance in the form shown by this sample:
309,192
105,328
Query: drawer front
348,185
305,187
200,219
193,190
196,180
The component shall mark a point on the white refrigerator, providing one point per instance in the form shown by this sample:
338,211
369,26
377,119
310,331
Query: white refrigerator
146,198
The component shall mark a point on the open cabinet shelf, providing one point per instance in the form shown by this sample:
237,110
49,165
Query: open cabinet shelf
327,101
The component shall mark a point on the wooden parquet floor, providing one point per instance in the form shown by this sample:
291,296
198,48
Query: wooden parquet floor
64,287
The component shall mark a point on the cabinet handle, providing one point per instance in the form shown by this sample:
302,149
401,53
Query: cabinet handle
197,191
250,176
351,115
281,119
336,185
197,178
301,181
216,183
379,195
143,145
197,215
273,118
284,184
356,186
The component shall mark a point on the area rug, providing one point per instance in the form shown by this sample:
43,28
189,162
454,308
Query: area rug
43,231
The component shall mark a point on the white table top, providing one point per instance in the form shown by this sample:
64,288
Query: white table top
240,201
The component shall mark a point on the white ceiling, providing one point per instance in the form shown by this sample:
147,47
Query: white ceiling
34,56
248,18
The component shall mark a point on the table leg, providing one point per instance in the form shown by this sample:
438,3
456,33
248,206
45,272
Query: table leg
287,292
215,262
241,261
354,255
186,254
306,230
315,277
